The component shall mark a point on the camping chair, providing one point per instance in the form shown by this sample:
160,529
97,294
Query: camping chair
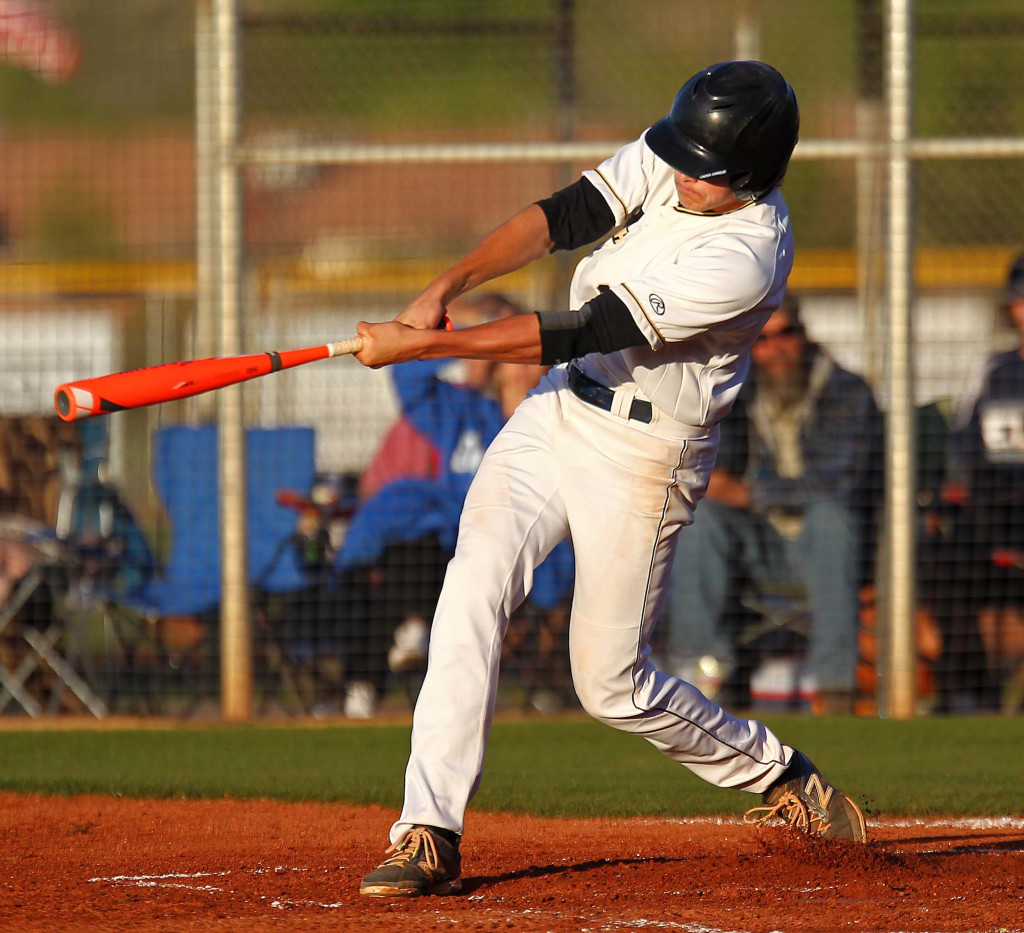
173,616
37,630
109,553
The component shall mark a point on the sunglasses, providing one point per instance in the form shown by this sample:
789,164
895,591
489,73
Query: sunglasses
790,330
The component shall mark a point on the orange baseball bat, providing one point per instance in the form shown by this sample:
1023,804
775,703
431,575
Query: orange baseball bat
170,381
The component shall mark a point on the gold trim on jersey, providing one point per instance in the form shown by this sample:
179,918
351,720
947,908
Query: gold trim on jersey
625,210
683,210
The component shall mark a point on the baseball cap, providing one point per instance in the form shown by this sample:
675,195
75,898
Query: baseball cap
1015,281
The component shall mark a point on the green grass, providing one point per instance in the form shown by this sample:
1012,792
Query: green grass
960,766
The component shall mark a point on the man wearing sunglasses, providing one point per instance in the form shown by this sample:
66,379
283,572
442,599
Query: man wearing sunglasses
785,509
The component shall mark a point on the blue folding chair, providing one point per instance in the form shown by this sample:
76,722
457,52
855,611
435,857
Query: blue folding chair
185,476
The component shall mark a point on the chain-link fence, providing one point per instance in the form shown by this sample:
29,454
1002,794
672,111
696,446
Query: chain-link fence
375,143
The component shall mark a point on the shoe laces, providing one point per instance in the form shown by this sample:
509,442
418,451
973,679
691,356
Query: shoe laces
789,807
409,846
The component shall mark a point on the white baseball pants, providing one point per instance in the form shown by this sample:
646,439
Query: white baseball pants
621,489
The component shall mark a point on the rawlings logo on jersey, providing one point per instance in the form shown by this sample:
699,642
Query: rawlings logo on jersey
657,303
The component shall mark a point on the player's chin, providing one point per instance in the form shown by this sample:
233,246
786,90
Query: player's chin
695,204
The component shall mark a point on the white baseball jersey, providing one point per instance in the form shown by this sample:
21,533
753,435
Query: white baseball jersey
699,287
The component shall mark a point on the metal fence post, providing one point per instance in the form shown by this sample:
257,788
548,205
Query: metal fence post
236,634
205,329
901,422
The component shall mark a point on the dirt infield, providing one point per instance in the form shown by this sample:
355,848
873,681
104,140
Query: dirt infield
89,864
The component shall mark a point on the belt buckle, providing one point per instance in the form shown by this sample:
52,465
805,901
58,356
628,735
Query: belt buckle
642,411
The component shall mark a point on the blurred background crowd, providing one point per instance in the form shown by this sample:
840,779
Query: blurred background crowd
350,137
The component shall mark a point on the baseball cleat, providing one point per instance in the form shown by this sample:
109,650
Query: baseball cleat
421,862
805,800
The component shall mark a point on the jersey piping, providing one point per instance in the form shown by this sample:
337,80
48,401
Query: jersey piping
643,311
618,197
640,642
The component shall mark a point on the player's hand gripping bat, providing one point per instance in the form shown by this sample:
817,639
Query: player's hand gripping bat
171,381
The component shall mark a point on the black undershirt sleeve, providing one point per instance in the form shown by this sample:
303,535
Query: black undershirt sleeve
602,325
577,215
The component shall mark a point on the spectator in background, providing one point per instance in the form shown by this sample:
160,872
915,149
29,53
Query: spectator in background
405,452
984,569
401,538
783,504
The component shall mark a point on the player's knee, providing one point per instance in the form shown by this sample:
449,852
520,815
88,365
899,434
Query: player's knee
608,699
473,571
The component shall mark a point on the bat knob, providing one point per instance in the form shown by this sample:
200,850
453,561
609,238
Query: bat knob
62,402
74,403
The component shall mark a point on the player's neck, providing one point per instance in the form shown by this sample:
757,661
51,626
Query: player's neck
729,208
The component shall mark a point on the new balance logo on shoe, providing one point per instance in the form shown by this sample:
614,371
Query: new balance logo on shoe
802,798
817,788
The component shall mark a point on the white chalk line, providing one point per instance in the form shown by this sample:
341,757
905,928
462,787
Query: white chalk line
165,881
175,879
612,926
280,869
278,904
179,879
659,925
963,822
701,928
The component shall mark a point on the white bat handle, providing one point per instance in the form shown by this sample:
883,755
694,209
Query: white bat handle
344,347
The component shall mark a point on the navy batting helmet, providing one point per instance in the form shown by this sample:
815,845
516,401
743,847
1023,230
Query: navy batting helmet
737,121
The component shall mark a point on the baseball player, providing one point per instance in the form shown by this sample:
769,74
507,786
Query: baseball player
614,447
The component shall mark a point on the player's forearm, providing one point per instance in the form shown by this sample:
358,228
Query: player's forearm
522,239
510,340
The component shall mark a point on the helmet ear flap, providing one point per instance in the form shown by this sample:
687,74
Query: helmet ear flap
740,182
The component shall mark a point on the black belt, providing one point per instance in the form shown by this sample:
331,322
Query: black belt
585,388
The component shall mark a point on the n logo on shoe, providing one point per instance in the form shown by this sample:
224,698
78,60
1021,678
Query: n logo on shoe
815,788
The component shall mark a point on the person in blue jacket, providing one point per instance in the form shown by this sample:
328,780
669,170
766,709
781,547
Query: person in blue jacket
400,540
